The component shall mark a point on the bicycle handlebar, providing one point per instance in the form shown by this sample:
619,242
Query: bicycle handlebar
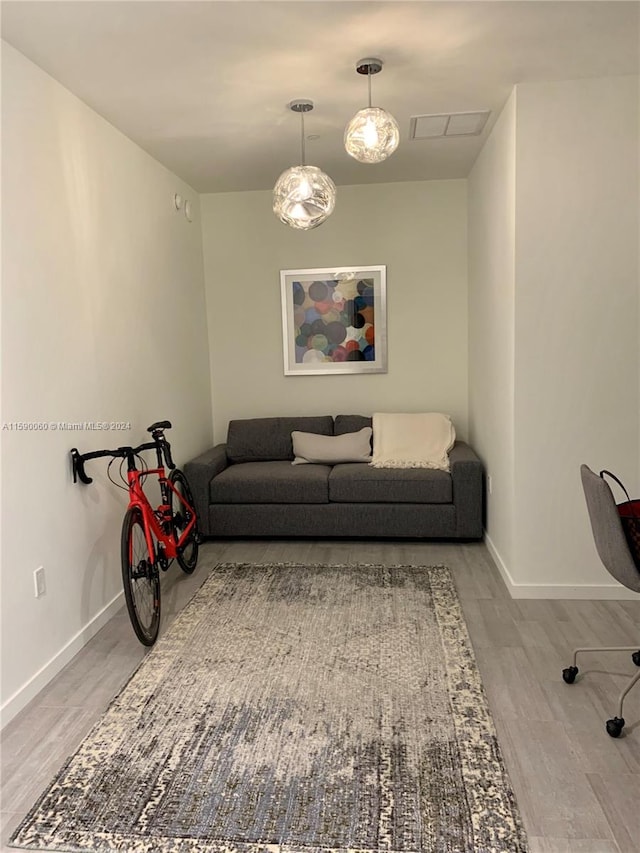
78,459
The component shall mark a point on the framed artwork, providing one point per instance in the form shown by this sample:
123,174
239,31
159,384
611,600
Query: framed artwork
334,320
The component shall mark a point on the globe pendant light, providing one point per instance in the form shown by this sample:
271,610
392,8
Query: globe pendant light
303,196
373,133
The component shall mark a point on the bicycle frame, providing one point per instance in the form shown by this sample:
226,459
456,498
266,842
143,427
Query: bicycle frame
158,522
165,533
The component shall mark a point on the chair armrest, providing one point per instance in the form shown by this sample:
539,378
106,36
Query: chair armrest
467,476
200,472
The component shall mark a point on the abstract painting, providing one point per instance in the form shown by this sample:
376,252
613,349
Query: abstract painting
334,320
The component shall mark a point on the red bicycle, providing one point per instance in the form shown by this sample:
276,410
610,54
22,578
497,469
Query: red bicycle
151,538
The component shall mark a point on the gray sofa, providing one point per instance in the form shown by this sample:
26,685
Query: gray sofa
248,487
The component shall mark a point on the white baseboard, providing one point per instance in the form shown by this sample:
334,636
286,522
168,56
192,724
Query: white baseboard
36,683
587,591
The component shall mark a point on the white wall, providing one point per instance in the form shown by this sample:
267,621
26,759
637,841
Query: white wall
417,229
577,342
491,323
554,342
103,320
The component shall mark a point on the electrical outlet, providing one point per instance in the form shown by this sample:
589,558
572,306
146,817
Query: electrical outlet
39,582
489,484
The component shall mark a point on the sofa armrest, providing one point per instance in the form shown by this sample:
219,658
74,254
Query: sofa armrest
466,474
200,472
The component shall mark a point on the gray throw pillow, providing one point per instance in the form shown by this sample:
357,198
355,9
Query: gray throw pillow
332,449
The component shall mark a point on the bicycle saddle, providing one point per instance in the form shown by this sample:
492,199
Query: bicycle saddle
159,425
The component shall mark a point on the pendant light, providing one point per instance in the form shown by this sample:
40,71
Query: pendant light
373,133
303,196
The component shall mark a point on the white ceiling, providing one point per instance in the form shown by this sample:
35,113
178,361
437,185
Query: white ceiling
204,86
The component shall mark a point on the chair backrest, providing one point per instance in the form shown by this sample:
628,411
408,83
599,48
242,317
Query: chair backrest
608,534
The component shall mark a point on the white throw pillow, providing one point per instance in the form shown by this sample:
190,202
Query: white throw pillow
331,449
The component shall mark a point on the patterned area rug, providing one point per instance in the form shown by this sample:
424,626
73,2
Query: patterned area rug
294,709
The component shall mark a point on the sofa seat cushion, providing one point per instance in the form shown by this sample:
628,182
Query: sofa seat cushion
276,482
360,483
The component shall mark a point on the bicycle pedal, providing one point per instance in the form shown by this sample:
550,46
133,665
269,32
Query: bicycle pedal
198,538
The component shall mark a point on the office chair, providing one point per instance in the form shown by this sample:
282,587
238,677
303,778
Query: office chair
616,557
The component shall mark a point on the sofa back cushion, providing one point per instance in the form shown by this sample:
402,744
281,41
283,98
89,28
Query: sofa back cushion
267,439
350,423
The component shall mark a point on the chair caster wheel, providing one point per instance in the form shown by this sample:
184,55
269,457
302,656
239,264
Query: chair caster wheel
635,657
615,726
569,674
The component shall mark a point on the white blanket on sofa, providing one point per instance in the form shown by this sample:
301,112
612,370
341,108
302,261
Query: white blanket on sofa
420,440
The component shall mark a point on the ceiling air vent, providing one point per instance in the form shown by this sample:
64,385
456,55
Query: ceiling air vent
448,124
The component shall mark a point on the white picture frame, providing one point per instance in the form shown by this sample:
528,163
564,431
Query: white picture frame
334,320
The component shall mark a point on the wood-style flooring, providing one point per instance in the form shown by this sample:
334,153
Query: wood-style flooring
578,789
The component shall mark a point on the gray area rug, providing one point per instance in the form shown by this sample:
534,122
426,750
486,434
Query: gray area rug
294,709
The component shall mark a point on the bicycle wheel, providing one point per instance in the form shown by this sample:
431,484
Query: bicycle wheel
187,555
140,578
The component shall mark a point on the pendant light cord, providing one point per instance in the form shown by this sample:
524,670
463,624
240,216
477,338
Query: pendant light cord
302,136
369,81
